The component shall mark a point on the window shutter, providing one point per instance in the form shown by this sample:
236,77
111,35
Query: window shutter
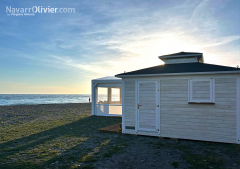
201,90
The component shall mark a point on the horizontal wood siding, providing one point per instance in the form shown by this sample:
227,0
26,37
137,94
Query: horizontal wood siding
198,121
129,100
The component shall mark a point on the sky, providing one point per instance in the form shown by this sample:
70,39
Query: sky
60,53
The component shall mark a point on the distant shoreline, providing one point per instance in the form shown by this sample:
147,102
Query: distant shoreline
42,104
44,94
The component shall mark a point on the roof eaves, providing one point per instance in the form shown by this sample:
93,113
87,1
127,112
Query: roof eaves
188,73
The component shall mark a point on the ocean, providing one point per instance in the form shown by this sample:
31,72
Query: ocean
21,99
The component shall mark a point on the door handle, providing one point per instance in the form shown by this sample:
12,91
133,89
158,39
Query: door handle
139,105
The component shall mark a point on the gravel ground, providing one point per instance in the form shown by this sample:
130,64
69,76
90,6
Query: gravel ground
141,154
10,115
67,136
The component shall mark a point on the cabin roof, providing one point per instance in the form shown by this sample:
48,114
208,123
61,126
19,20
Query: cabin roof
180,68
181,54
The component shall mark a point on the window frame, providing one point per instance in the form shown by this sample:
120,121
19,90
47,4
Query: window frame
113,88
212,91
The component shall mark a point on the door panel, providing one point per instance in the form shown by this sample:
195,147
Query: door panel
147,109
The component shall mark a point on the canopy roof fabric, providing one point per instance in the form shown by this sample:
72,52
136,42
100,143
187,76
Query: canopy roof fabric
109,78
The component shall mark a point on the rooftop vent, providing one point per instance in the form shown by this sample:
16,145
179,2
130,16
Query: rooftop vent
182,57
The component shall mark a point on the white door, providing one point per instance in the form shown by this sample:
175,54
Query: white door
148,105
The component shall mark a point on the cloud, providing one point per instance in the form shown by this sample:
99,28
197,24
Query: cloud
198,11
98,68
20,88
221,41
108,38
61,53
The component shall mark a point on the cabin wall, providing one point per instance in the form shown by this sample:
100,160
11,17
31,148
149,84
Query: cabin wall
210,122
179,119
129,106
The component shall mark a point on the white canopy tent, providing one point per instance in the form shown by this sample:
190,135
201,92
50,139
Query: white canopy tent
107,96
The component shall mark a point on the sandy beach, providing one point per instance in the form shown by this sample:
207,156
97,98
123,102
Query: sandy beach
67,136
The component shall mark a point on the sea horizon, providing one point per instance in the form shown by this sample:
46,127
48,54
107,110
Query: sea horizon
42,94
34,99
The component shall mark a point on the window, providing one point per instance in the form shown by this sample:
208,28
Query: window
109,95
102,97
201,90
115,98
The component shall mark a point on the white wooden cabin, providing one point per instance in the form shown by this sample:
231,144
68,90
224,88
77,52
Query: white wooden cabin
107,96
184,98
